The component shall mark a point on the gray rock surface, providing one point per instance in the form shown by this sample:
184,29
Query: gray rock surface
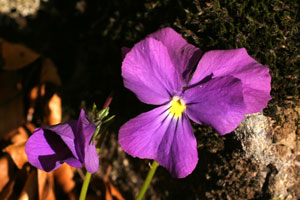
274,148
20,7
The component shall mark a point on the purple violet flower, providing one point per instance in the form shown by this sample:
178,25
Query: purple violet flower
51,146
226,85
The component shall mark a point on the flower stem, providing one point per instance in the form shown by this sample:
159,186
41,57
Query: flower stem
85,186
148,180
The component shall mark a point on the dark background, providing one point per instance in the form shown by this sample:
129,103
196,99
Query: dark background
84,39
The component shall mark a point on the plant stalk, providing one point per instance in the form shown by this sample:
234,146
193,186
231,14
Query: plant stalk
85,185
148,180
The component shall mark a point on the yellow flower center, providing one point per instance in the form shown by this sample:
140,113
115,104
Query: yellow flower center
177,107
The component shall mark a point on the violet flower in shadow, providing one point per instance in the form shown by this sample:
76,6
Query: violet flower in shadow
60,149
51,146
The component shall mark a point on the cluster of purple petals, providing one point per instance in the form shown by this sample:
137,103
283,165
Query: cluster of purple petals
51,146
225,85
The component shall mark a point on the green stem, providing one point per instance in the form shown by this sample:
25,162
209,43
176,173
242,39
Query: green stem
85,186
148,180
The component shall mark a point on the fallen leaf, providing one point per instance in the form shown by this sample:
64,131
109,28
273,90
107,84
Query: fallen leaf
110,190
8,190
17,153
16,150
48,82
15,135
49,73
46,185
29,190
11,102
30,127
15,55
55,112
20,136
36,94
208,4
33,95
64,177
4,171
108,195
16,182
115,193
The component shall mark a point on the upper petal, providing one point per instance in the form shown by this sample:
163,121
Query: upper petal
184,56
218,102
157,135
67,133
255,78
87,151
148,71
47,151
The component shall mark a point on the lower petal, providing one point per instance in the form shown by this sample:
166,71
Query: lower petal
178,149
87,152
157,135
91,159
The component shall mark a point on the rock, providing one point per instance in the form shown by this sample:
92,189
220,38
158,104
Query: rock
274,148
19,7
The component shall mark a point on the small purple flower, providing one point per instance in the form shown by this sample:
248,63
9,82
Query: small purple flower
226,85
51,146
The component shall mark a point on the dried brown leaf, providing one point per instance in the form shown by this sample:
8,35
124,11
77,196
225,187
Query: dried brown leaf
49,73
4,171
208,4
33,96
54,105
64,177
8,190
30,188
110,190
30,127
11,102
46,185
115,193
108,195
37,92
17,180
16,56
20,136
17,153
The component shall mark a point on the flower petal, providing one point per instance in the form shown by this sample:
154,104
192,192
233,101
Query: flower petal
141,136
184,56
47,151
255,77
218,102
67,133
87,152
156,135
147,71
178,149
